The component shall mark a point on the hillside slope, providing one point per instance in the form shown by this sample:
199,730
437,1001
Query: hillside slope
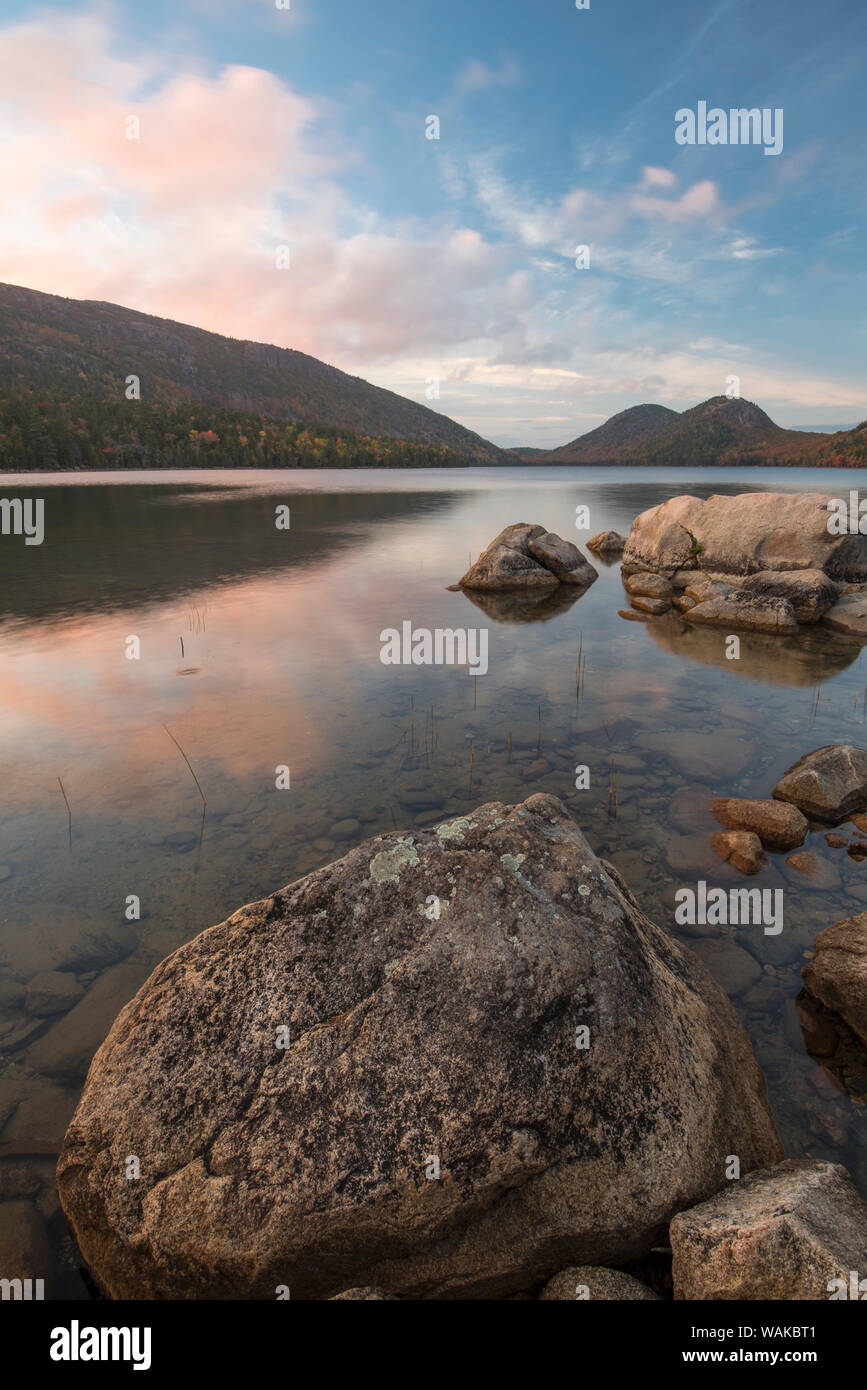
83,348
625,428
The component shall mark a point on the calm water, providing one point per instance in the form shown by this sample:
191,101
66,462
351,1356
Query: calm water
260,647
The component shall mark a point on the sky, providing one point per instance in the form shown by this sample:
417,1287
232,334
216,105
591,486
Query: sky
280,185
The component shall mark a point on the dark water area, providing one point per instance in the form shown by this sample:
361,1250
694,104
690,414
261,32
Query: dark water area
260,649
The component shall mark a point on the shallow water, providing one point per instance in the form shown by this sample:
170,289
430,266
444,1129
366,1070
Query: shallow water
260,648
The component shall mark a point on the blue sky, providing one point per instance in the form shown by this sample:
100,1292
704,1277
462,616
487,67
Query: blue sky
449,265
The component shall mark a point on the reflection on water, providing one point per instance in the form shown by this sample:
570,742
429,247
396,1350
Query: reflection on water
535,606
260,648
809,659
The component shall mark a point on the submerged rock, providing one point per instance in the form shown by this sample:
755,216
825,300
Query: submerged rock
779,1234
526,557
837,973
734,968
68,1046
52,992
827,784
24,1249
436,1121
819,873
740,848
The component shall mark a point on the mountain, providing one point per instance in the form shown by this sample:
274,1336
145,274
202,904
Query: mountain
629,425
721,430
77,354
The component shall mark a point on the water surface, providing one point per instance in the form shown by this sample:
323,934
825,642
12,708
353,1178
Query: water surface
260,648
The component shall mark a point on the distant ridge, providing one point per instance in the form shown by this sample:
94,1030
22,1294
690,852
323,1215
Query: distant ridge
720,431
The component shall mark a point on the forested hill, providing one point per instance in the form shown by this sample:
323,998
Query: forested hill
204,399
716,432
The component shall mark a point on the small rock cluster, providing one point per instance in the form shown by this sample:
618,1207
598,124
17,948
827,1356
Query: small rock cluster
825,786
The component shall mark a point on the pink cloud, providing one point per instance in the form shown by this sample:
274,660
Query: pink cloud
697,202
185,221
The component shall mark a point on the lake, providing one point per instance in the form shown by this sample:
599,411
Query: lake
168,646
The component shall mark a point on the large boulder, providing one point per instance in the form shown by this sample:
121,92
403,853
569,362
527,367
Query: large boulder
827,784
837,973
782,1234
528,557
439,1124
742,535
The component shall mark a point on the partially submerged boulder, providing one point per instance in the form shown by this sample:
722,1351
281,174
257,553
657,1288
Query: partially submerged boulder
607,543
827,784
447,1065
810,592
786,1233
527,557
849,615
742,535
650,605
778,825
837,973
749,612
648,585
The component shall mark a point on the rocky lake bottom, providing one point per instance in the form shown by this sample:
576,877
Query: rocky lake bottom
260,650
